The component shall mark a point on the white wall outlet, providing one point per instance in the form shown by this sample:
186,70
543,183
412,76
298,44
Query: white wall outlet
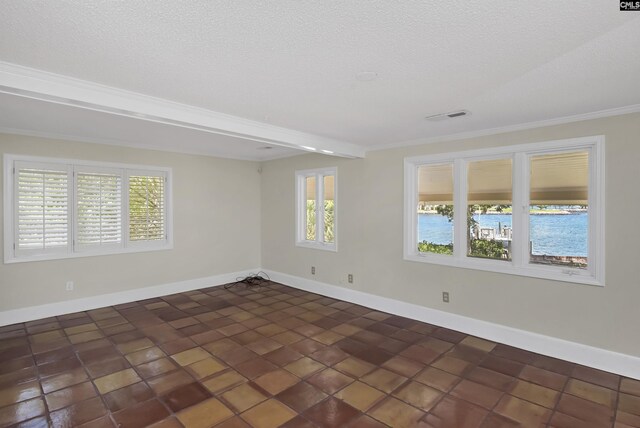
313,270
69,286
350,278
445,296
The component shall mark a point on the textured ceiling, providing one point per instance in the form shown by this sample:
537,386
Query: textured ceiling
293,63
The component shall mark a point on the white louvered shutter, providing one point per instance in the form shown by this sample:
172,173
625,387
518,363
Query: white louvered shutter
147,211
42,210
98,209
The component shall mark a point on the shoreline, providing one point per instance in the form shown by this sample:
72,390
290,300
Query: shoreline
563,212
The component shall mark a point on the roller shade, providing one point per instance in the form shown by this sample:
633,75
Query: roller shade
435,184
329,187
560,178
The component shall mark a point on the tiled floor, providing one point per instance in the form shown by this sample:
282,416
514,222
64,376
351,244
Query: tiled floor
276,356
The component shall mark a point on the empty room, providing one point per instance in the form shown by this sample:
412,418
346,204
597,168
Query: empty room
319,214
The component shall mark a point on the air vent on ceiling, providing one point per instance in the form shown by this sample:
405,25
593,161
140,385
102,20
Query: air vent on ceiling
446,116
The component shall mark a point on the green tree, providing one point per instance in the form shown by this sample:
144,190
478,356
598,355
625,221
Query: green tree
476,247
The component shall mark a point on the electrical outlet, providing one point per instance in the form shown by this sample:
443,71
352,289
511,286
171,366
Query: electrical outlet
69,286
313,270
445,296
350,278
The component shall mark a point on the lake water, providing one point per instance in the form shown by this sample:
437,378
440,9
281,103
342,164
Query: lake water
554,235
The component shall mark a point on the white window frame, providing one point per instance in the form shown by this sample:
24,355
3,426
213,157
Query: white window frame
520,264
301,208
72,250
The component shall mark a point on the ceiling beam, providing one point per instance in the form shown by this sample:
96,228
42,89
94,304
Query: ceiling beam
59,89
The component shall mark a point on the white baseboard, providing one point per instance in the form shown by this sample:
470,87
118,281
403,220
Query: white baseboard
598,358
87,303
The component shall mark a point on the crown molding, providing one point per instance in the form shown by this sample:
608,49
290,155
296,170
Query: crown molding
55,88
618,111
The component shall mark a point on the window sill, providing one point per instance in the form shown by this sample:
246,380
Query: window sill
555,273
318,246
89,253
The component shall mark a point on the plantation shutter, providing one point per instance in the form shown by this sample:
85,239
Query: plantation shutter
42,208
99,209
147,208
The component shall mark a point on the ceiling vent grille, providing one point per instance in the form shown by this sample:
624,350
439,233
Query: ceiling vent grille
446,116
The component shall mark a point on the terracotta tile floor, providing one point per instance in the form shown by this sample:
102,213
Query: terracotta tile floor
276,356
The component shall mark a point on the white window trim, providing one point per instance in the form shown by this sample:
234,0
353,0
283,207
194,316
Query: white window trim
71,251
519,265
318,243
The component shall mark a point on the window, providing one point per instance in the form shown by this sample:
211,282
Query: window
316,208
533,210
62,208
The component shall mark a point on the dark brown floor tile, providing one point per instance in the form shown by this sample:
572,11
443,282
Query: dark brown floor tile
330,380
17,364
629,404
178,345
475,393
64,380
274,355
561,420
597,377
58,367
301,396
527,413
168,382
331,413
55,355
514,354
452,412
591,392
490,378
156,368
39,422
128,396
365,421
418,395
307,346
437,378
630,386
141,415
103,368
584,410
329,355
255,368
554,365
374,355
185,396
79,413
283,356
501,365
403,366
20,392
298,422
19,376
497,421
65,397
544,377
22,411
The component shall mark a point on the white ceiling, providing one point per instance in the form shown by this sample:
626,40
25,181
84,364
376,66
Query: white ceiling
287,70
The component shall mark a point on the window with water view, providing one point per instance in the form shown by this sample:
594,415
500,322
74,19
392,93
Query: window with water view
533,211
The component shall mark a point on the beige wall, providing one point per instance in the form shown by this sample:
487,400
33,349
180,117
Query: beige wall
216,209
370,237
